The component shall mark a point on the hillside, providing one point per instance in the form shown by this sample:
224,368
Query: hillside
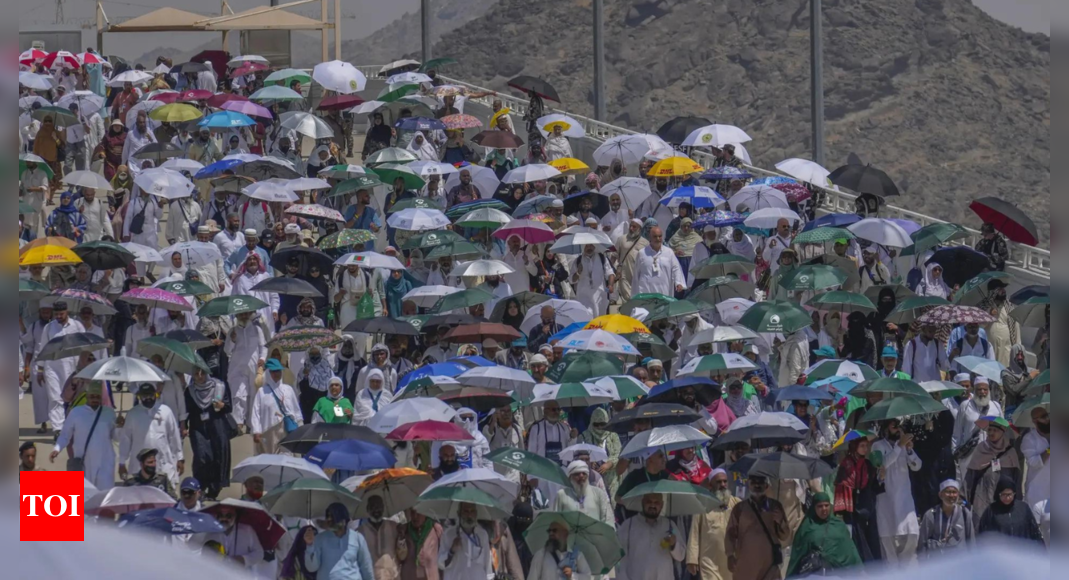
952,103
402,36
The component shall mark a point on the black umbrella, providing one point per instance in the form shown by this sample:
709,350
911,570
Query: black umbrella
600,208
498,140
307,256
434,322
382,325
71,345
263,170
194,339
864,179
1008,219
159,152
307,437
289,287
659,414
105,255
677,130
529,84
190,67
782,466
1024,294
767,430
526,301
477,399
960,264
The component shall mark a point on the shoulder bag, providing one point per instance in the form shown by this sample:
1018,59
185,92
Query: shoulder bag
78,463
777,550
288,423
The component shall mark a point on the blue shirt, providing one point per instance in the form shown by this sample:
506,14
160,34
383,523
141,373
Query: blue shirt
345,558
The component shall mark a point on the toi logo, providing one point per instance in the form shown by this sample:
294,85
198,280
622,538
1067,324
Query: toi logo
52,506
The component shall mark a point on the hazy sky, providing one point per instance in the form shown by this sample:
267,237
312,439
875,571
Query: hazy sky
362,17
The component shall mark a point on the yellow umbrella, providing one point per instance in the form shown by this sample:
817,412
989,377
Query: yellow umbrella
564,126
49,256
48,241
493,120
176,113
569,165
676,167
617,324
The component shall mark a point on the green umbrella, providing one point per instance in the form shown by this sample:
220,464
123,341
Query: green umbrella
595,540
724,265
911,309
431,239
395,91
41,164
486,217
437,63
933,235
975,291
345,239
345,172
1022,417
530,464
902,407
1038,384
25,208
393,155
778,317
30,290
984,422
577,367
645,301
823,235
677,309
391,172
355,184
570,395
444,503
230,305
462,300
889,386
721,288
526,300
1033,313
177,356
855,371
286,76
842,301
63,118
626,387
460,249
414,203
105,255
716,363
658,349
308,498
681,498
901,292
458,211
187,288
817,277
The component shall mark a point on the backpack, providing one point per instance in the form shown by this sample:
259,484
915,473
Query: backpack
960,345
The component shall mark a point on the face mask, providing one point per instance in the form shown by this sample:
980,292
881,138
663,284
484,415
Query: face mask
149,471
123,176
315,359
284,148
1043,428
255,495
148,403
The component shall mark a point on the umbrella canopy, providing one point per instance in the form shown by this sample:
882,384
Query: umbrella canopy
485,480
177,357
340,77
983,367
812,278
598,341
184,288
479,400
87,179
287,76
1008,219
71,345
769,218
757,197
351,455
570,395
531,174
418,220
399,489
960,264
617,324
268,530
658,414
805,170
575,243
764,430
676,130
176,113
577,367
500,378
1034,313
724,265
78,299
842,301
677,166
407,412
595,540
444,504
864,179
954,315
777,317
889,386
300,339
483,268
883,232
944,389
532,465
30,290
716,136
157,298
800,393
633,191
479,332
933,235
484,218
48,256
462,300
370,261
524,300
289,287
823,236
1039,384
1022,417
308,498
122,369
124,500
722,334
567,312
855,371
681,498
277,470
529,231
780,466
697,196
382,326
977,290
528,84
717,364
164,183
230,306
172,521
913,308
622,388
902,407
306,124
666,439
428,296
308,437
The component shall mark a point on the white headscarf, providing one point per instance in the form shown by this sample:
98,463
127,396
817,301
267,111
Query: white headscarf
314,160
472,426
743,249
933,286
425,152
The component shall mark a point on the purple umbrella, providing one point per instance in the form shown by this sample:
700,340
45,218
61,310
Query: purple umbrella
910,227
156,298
247,108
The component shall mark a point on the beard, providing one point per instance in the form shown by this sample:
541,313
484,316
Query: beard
449,466
983,401
723,496
1043,428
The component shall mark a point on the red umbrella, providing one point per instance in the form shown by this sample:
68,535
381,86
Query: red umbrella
91,58
168,98
267,529
218,58
194,95
429,431
64,58
31,56
339,102
482,331
248,68
1008,219
795,192
216,101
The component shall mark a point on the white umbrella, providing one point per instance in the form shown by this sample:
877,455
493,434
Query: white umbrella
596,453
732,309
164,183
587,394
426,169
182,164
125,500
485,214
342,171
306,124
567,312
666,439
500,378
573,244
416,219
531,174
237,61
483,268
482,178
722,334
755,197
340,77
366,108
27,103
308,184
271,192
147,107
633,191
277,470
883,232
575,129
805,170
428,296
485,480
370,261
194,254
766,219
122,369
36,82
629,149
732,362
716,136
88,102
400,413
398,64
89,179
598,341
134,77
613,385
409,78
143,254
709,195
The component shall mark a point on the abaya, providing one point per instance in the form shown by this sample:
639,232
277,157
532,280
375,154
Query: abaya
209,435
1014,520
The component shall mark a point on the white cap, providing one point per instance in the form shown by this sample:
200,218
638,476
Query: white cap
709,228
981,381
539,360
292,230
557,204
250,233
962,377
591,221
578,467
949,483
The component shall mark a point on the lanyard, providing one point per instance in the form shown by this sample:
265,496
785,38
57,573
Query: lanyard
375,400
473,538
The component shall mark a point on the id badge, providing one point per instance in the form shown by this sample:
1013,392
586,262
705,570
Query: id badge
996,466
338,411
204,416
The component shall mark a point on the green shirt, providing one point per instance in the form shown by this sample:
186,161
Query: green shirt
325,408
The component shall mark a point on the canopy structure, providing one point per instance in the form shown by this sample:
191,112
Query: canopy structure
262,18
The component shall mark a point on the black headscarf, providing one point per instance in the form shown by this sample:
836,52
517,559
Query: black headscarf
1014,520
380,133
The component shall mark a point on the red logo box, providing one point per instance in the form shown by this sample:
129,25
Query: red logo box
52,506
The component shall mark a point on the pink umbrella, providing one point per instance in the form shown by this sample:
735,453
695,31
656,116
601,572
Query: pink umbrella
429,431
168,98
156,298
216,101
248,108
247,69
530,231
795,192
125,500
954,314
194,95
316,212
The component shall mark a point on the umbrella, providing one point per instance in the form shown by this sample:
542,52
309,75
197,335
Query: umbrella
164,183
484,218
276,94
277,470
498,140
1034,313
764,430
658,414
1039,384
890,386
677,166
574,244
437,63
645,301
124,500
812,278
180,165
529,231
172,521
598,341
805,170
457,211
289,287
35,81
723,265
943,388
190,67
1008,219
596,453
716,136
444,504
194,339
79,299
428,169
666,439
721,334
271,192
530,174
855,371
286,77
781,466
617,324
458,250
483,268
156,298
462,300
567,312
41,164
177,357
339,103
159,152
823,236
1028,292
87,179
902,407
633,191
1022,417
176,113
308,498
308,437
407,412
428,296
528,84
976,291
479,400
883,232
423,124
776,317
681,498
577,367
800,393
500,378
315,212
934,235
351,455
340,77
71,345
306,124
982,367
226,120
569,127
717,364
63,118
230,306
382,326
300,339
399,489
454,122
842,301
631,149
597,541
532,465
480,332
622,388
143,254
484,480
726,172
677,129
757,197
570,395
345,239
122,369
954,315
768,218
960,264
254,515
30,290
104,255
864,179
697,196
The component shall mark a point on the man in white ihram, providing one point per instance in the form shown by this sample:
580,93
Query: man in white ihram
247,348
54,373
464,551
896,514
90,430
151,425
657,270
651,543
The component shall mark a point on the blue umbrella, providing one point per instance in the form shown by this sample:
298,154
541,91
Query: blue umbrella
835,220
770,181
217,169
473,361
447,369
351,455
533,206
697,196
420,124
172,521
800,393
718,219
682,382
841,384
226,120
569,330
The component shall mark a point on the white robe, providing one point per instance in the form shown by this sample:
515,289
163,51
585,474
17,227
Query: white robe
56,372
173,395
1033,447
645,558
98,224
364,407
896,514
246,350
558,148
242,541
135,333
657,272
228,245
155,428
592,289
968,415
265,410
518,281
100,454
149,235
922,362
136,141
243,287
472,561
544,567
32,342
178,223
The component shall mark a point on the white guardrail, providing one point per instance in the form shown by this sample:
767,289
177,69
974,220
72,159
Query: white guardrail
1032,264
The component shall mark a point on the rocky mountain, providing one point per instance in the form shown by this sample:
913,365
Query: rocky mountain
953,104
402,36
